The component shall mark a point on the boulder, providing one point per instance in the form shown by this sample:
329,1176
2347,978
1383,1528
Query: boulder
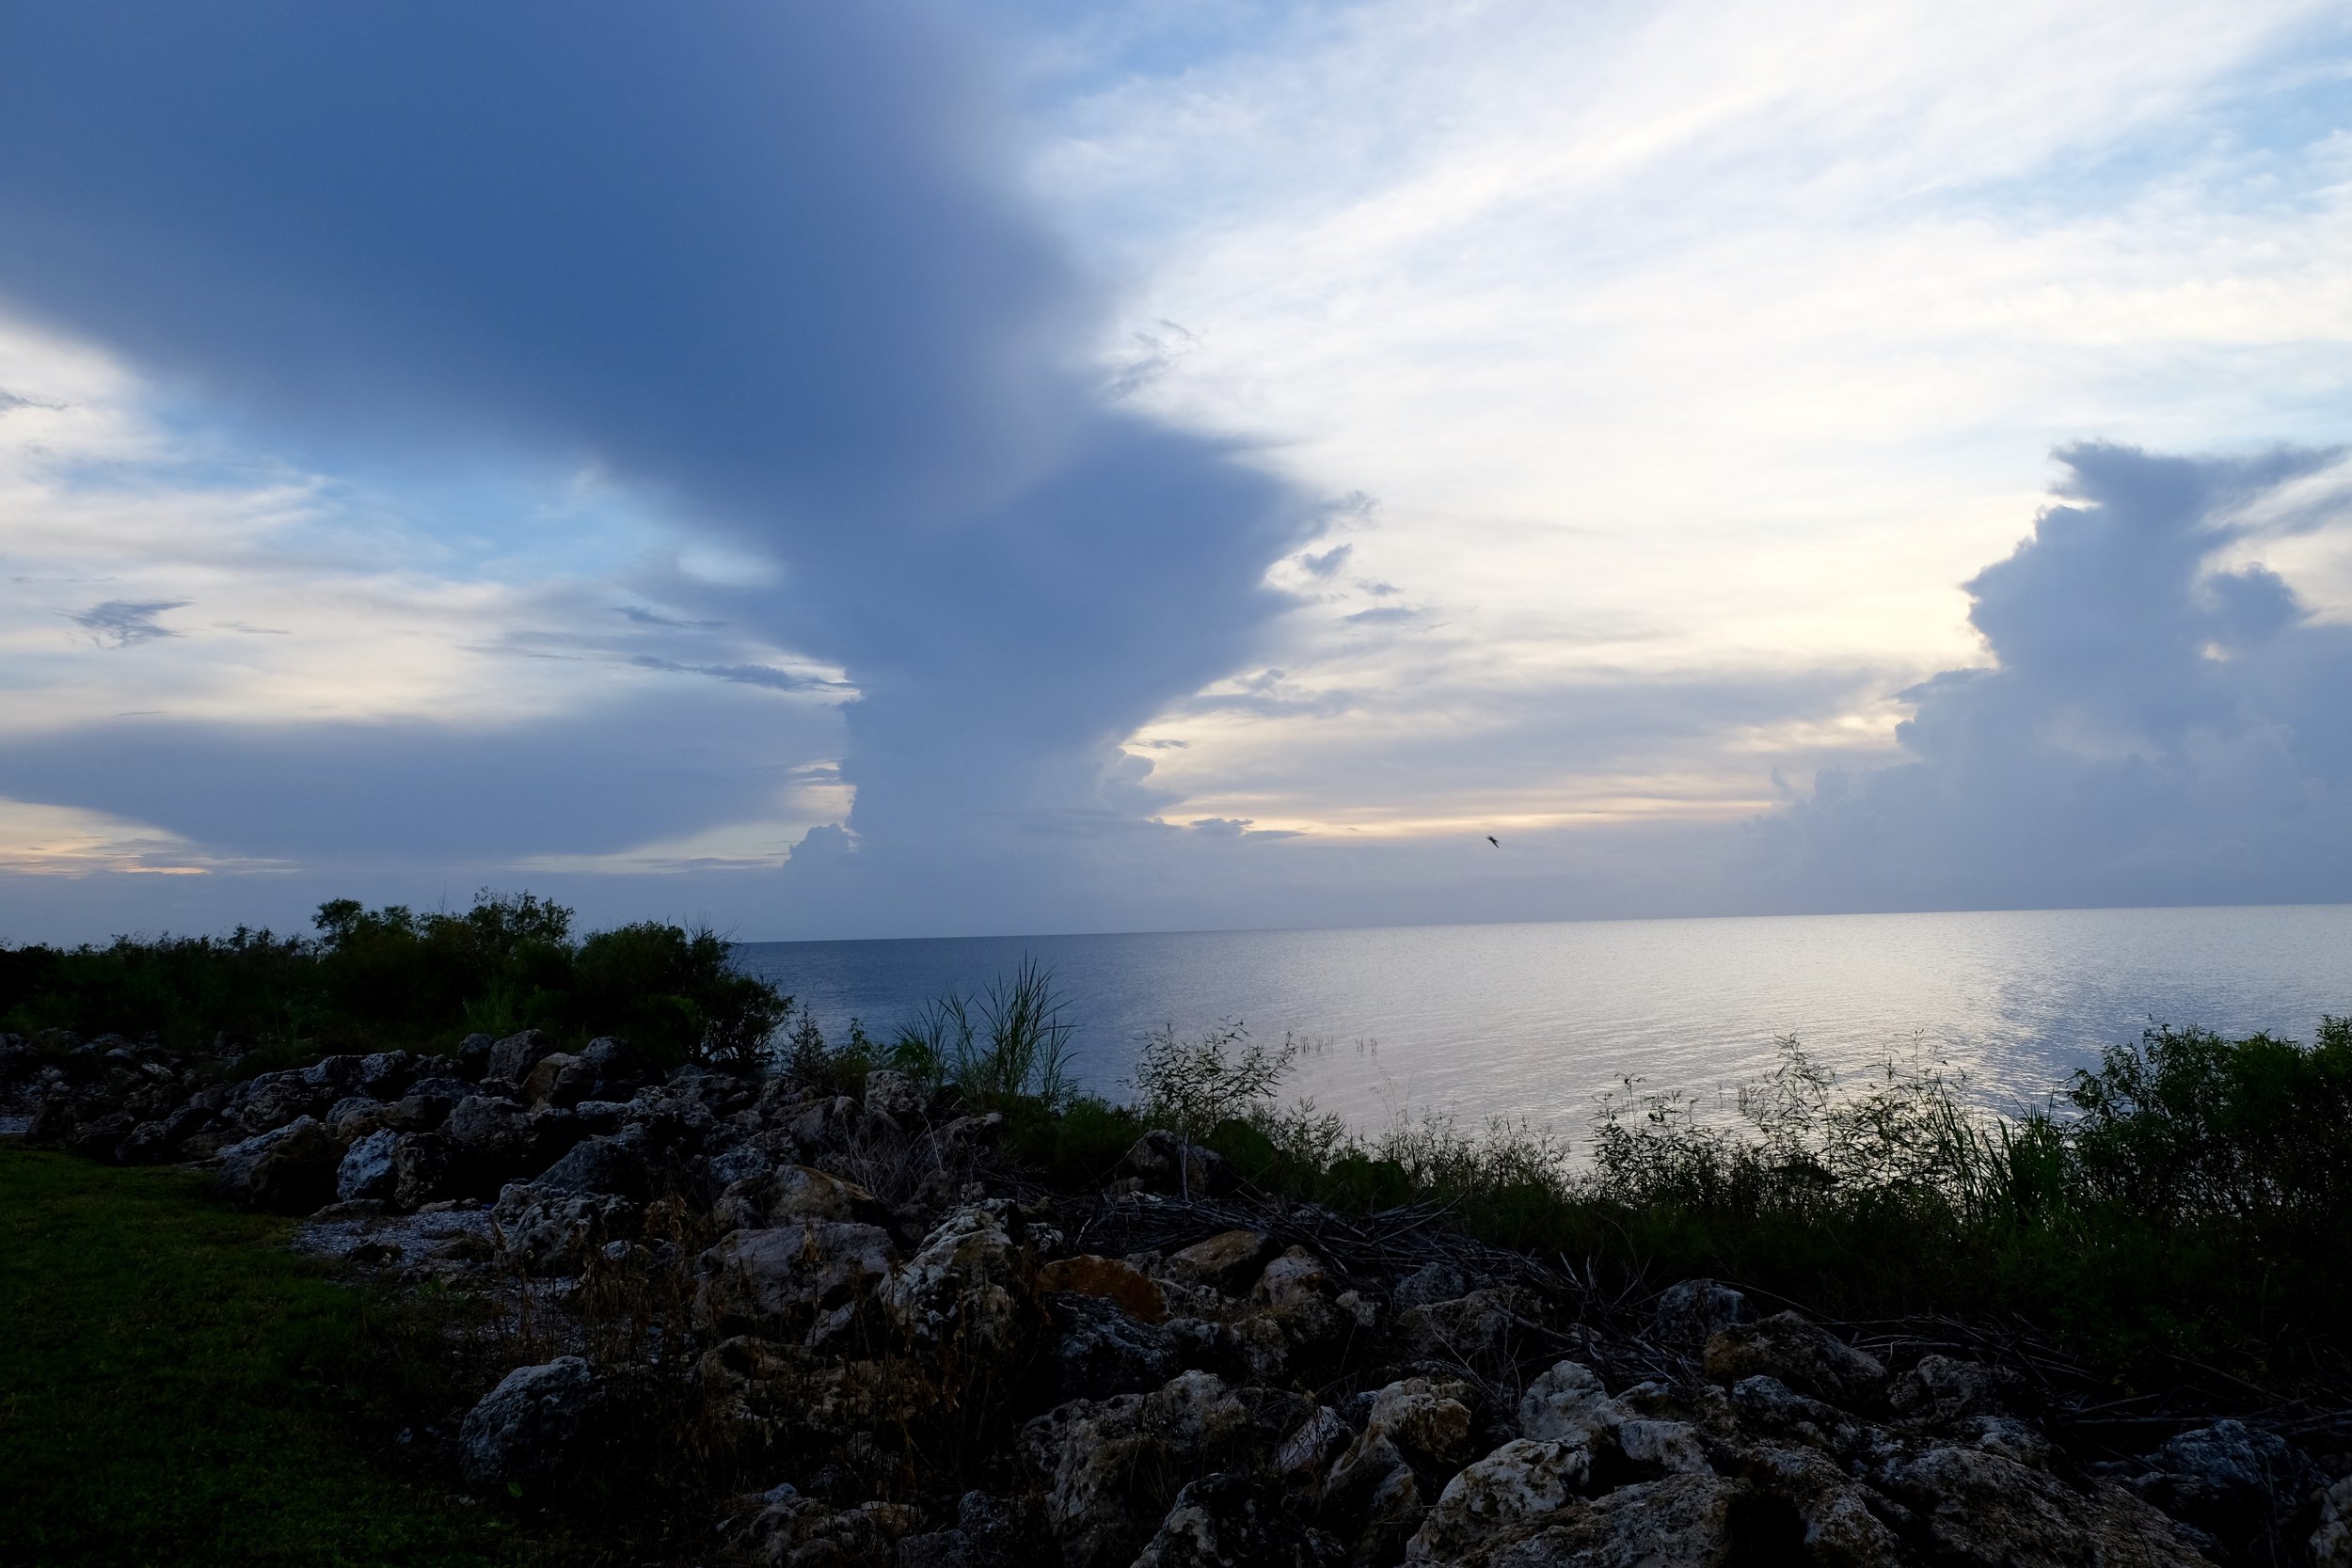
1480,1329
1098,1351
367,1170
2331,1543
1517,1482
385,1074
471,1058
615,1067
789,1398
546,1083
510,1060
1168,1164
2232,1480
1979,1508
963,1287
1228,1261
272,1100
1563,1404
1942,1389
613,1166
800,1281
1694,1311
1107,1278
1233,1521
804,1532
1436,1281
424,1170
1418,1431
789,1194
289,1171
1802,1354
1694,1521
1116,1466
552,1231
535,1428
895,1096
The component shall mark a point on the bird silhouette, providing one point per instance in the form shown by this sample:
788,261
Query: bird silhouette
1495,842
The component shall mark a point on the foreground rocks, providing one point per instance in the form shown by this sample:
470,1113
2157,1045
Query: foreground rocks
904,1354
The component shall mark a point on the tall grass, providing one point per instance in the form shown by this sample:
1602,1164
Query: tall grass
1010,1042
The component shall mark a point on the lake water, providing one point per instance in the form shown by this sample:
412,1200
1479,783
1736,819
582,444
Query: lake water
1536,1021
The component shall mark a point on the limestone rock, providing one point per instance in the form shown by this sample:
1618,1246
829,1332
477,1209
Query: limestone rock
1116,1466
511,1059
552,1231
1690,1521
289,1171
1480,1329
1562,1404
1802,1354
1694,1311
1098,1351
366,1170
895,1096
546,1083
1168,1164
1515,1483
1229,1521
1981,1509
424,1169
796,1281
2331,1543
1108,1278
2230,1479
1229,1260
963,1286
613,1166
534,1429
787,1194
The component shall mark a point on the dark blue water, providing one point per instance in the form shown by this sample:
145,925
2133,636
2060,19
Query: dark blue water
1536,1021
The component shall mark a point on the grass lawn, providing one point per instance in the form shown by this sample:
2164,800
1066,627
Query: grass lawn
175,1388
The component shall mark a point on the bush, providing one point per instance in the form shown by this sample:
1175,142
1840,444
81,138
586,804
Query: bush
376,979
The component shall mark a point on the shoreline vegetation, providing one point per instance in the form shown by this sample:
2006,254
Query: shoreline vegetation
567,1151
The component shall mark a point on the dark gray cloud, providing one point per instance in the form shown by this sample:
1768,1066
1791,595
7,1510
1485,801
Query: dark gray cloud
2154,728
119,622
768,264
655,764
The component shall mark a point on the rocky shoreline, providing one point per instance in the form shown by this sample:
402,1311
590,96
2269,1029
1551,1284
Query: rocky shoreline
884,1342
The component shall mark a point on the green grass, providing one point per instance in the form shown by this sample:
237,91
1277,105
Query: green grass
175,1388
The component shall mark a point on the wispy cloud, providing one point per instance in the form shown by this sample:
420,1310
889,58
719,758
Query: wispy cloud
119,622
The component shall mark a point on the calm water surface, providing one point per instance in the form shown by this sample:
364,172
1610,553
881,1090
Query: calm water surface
1536,1021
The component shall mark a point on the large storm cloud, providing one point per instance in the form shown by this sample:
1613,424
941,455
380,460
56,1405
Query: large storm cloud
767,266
2158,725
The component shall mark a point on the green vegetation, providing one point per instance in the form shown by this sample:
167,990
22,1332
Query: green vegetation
2188,1209
376,979
175,1388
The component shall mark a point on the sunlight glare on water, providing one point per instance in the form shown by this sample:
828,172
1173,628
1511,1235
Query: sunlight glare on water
1536,1021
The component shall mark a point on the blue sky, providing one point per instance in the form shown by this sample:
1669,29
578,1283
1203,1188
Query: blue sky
923,470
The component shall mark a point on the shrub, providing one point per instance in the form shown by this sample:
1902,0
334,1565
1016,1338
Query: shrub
373,980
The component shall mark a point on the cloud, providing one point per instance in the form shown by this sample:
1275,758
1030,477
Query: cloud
2159,725
1326,564
770,269
645,767
119,622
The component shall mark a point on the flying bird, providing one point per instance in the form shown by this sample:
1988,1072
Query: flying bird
1495,842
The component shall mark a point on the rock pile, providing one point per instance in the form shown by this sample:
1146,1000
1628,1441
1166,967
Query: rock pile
935,1363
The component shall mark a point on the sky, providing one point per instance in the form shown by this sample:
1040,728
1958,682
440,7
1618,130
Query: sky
1028,466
